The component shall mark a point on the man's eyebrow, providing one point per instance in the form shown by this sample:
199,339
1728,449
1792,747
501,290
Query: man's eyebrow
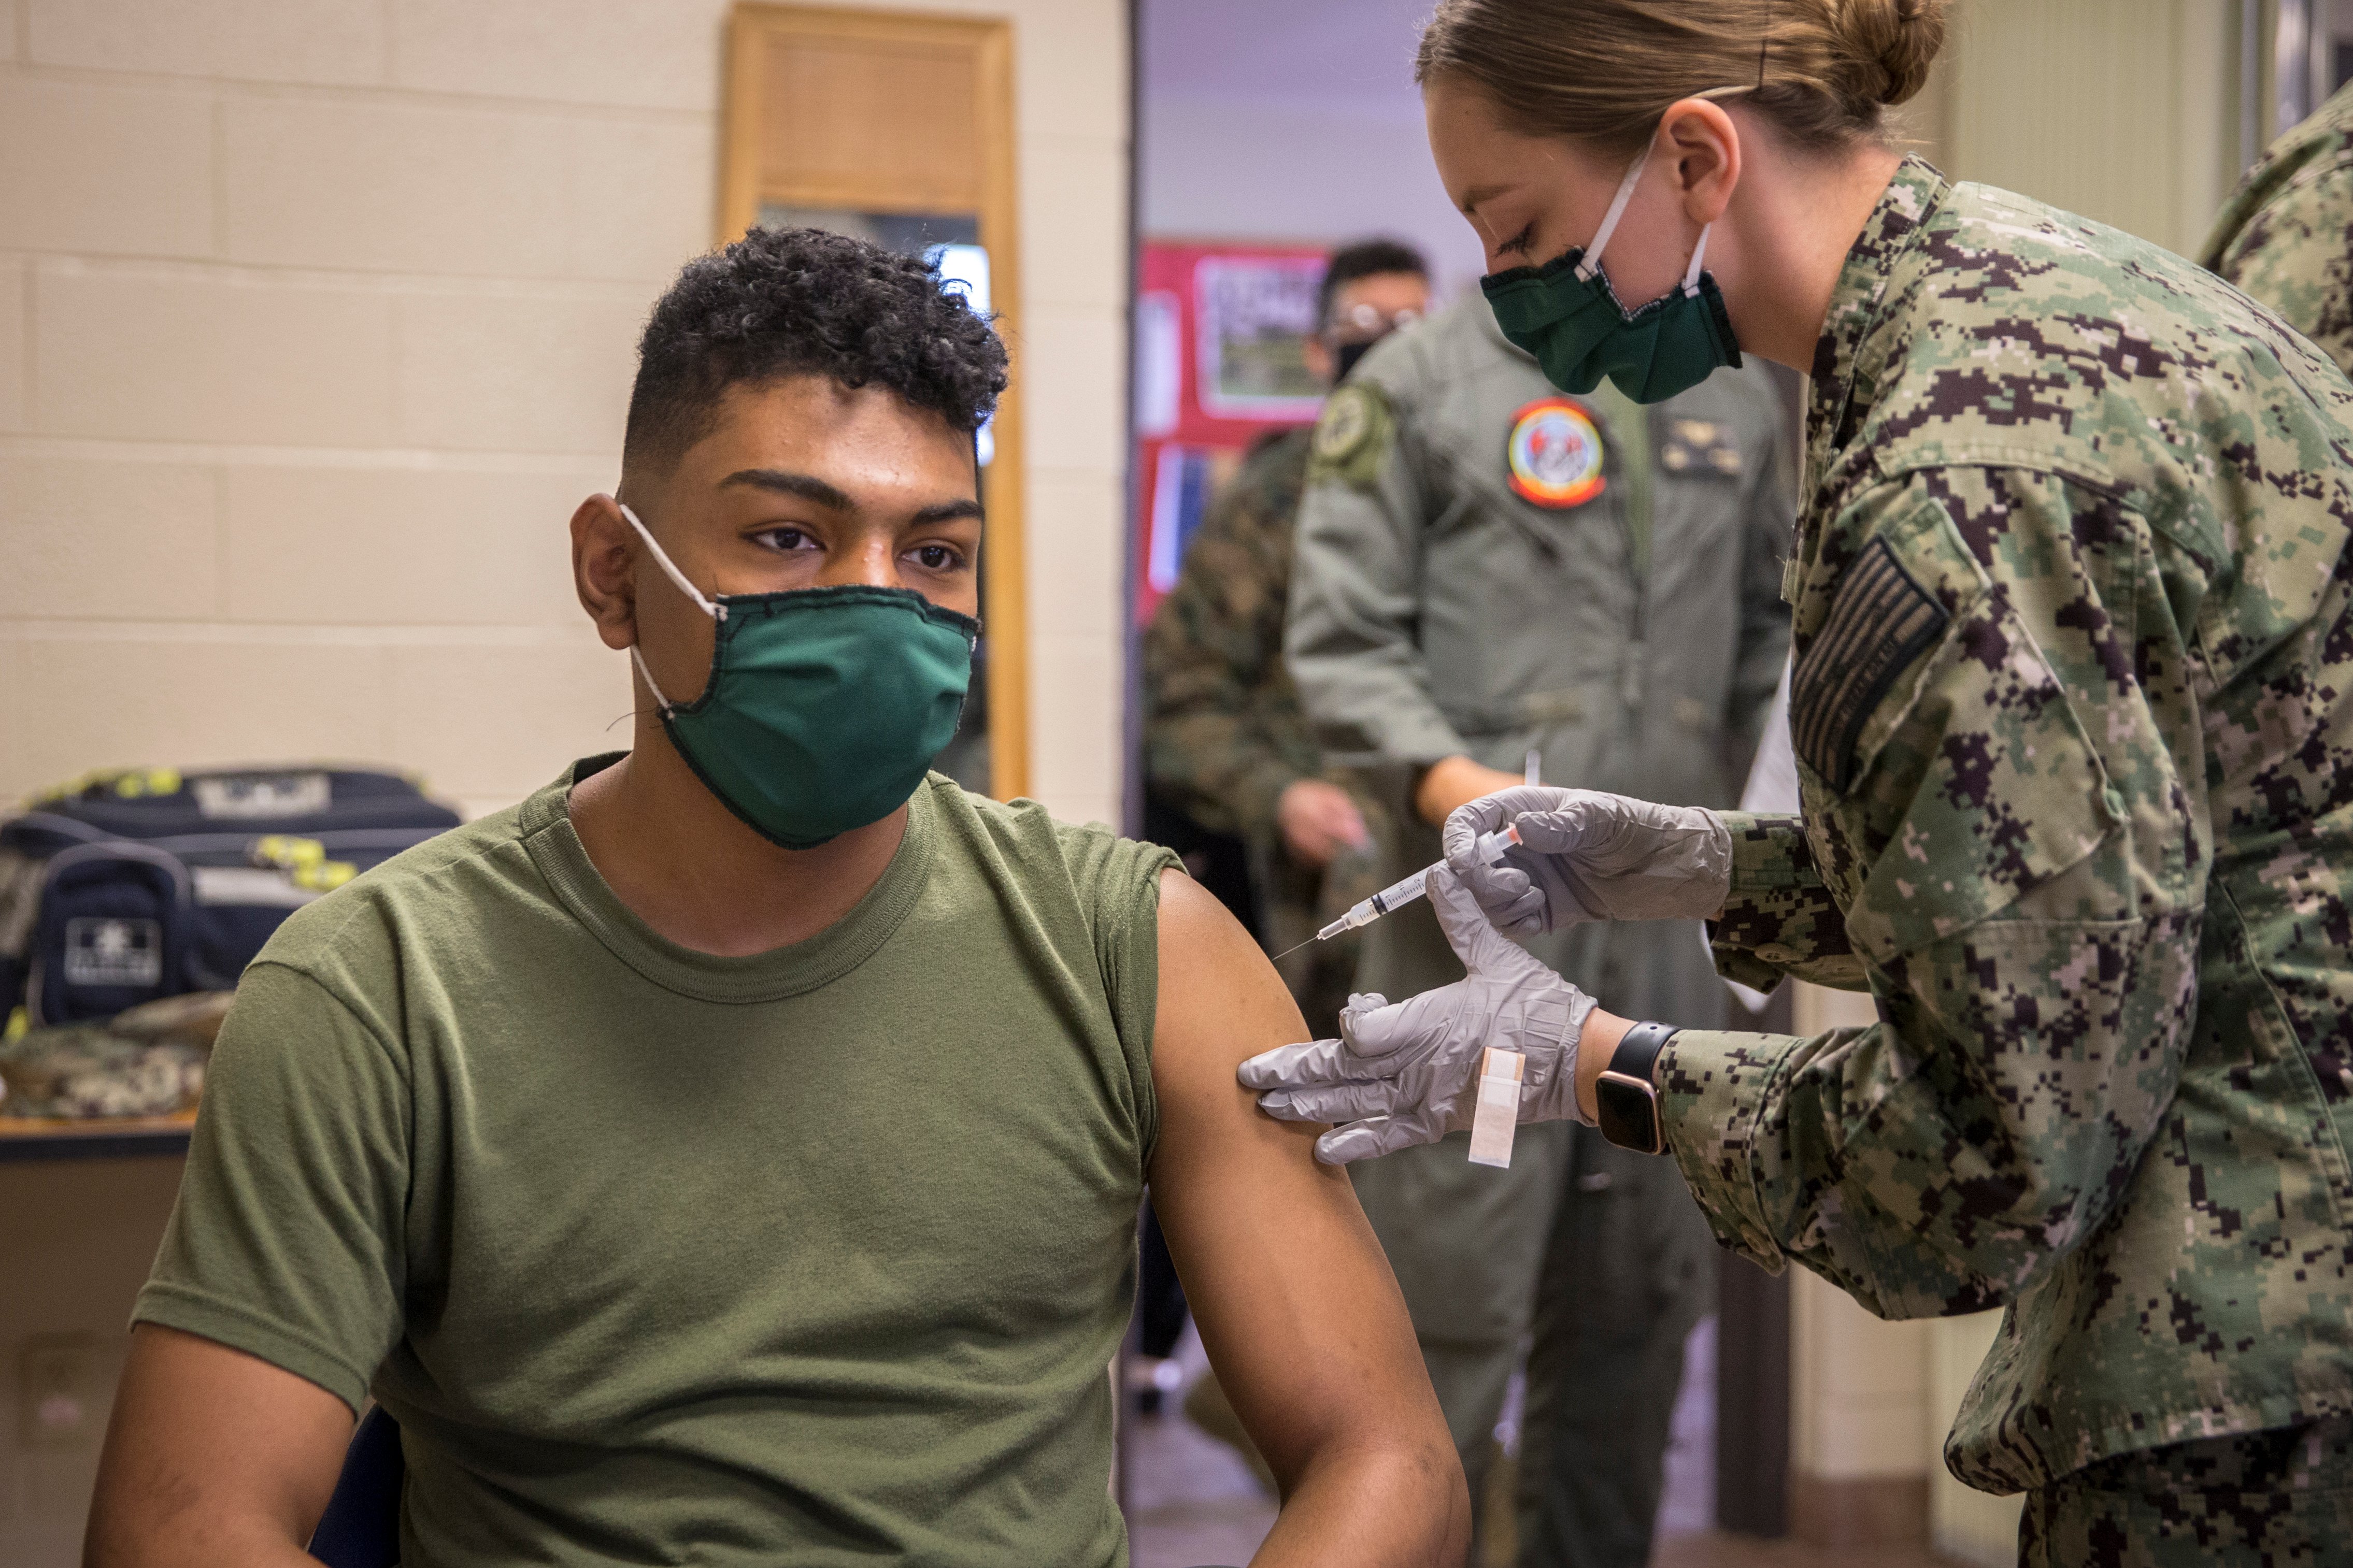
808,486
948,511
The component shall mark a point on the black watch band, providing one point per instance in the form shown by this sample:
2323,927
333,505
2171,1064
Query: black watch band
1626,1097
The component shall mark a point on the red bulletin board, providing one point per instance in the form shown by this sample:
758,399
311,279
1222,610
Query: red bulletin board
1219,329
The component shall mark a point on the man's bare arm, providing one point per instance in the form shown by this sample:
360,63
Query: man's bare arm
1297,1306
214,1458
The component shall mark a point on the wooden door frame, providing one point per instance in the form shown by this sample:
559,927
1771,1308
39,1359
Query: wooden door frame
741,193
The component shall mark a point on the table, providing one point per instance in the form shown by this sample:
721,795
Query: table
24,1138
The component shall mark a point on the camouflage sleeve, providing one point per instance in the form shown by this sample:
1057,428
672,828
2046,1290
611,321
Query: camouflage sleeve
1991,678
1764,616
1223,733
1356,590
2295,253
1779,918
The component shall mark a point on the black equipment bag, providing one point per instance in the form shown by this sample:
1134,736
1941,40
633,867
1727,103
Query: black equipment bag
122,888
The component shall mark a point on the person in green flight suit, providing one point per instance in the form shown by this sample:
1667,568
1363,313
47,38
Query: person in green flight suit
2285,237
1487,569
1224,739
2073,711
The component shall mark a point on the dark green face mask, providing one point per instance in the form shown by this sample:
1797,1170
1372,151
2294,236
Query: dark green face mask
1568,316
824,707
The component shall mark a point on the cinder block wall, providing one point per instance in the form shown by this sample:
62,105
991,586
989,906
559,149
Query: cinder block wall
316,321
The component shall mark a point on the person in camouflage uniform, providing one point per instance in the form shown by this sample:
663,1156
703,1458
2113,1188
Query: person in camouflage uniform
1454,608
1224,738
2285,237
2073,713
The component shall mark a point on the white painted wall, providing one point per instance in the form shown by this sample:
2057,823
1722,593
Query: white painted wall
316,321
1290,121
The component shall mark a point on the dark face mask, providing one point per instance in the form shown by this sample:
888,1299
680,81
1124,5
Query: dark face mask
824,707
1567,315
1371,327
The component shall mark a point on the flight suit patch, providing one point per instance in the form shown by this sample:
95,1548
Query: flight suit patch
1352,438
1699,447
1881,621
1555,454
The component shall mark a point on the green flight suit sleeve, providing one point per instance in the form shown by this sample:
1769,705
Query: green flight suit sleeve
1356,590
1771,513
1223,733
1982,716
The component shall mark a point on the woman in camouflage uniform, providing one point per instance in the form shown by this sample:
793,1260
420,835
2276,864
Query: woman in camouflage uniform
2073,713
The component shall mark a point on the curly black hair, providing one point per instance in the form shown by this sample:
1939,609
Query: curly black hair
802,301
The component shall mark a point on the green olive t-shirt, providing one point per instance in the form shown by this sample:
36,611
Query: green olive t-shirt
810,1258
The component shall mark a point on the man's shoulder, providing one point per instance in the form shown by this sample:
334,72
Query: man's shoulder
1424,361
442,885
1026,842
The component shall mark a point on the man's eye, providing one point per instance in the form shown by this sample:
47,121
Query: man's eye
936,557
786,539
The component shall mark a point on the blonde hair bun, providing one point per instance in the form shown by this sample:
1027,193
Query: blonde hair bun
1884,49
1604,70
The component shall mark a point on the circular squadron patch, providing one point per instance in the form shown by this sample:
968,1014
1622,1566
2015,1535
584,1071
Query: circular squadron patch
1555,453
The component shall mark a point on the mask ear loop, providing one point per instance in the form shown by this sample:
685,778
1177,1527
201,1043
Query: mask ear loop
1699,255
669,569
1593,262
716,612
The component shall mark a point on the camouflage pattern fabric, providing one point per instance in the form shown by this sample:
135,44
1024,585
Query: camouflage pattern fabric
2093,852
1224,735
2281,1499
2285,237
83,1072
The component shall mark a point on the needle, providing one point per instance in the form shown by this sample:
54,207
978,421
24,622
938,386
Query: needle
1287,952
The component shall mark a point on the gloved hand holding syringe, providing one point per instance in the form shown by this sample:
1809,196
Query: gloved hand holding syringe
1396,896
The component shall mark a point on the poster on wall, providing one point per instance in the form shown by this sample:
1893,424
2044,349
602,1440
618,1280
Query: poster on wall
1220,361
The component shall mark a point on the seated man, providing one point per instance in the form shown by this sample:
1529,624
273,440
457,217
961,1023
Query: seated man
731,1153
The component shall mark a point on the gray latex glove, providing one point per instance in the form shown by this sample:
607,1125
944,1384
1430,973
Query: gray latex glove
1585,855
1406,1074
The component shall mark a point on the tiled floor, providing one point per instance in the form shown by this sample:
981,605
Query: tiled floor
1191,1501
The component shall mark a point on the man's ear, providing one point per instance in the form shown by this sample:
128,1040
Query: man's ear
1704,143
604,569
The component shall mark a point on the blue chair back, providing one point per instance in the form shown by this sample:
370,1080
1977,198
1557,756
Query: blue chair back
361,1528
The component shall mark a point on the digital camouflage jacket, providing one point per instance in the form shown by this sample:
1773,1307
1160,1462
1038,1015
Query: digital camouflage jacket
2285,237
2073,714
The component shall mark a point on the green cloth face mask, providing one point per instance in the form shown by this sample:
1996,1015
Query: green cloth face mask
1568,316
824,706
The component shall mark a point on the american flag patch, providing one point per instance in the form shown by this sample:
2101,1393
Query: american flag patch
1881,621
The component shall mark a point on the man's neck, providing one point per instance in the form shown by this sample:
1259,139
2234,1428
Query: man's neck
689,868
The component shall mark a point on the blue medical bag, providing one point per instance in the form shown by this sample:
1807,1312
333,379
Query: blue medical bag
130,886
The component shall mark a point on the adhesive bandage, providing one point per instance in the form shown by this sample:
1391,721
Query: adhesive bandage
1498,1113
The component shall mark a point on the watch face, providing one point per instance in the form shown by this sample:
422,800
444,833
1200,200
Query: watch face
1629,1113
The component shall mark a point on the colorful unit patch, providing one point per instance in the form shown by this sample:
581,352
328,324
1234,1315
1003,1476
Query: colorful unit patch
1555,453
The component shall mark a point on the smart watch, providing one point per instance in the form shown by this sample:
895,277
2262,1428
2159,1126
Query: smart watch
1627,1099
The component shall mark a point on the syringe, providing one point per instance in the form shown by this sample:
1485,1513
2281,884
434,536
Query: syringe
1398,895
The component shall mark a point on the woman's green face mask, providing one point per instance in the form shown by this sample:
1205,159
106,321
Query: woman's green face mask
1567,315
824,706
